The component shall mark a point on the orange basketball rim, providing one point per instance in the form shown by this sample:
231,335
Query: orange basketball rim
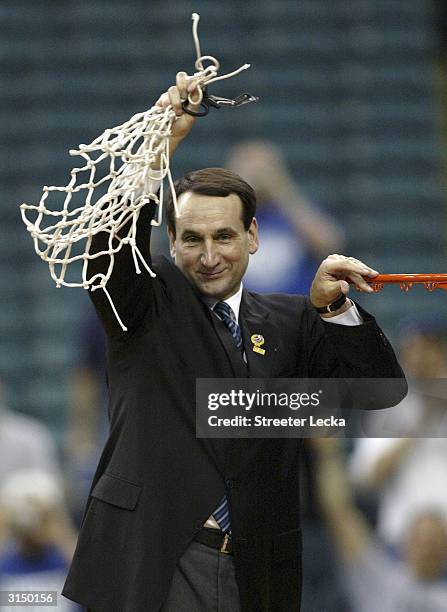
406,281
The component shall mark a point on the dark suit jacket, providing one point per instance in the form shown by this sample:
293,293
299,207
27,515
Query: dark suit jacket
156,483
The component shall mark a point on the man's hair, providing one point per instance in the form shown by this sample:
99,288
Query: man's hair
213,182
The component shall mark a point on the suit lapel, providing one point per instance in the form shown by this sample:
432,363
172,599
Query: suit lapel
255,320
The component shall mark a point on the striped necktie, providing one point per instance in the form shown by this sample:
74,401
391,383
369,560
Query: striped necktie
224,311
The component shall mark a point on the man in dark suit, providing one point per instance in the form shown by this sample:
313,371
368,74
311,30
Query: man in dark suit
175,522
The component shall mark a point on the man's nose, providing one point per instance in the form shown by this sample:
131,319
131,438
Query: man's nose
210,256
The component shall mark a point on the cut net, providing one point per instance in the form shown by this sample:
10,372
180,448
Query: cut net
107,193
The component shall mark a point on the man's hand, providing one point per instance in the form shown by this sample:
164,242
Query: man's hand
331,280
185,86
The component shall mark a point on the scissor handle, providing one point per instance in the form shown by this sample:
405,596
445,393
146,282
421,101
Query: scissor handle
203,113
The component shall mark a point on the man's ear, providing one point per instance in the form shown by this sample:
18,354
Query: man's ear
171,242
253,237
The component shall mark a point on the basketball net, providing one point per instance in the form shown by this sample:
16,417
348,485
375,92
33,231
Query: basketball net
128,152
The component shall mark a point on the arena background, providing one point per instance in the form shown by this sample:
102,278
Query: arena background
346,88
352,91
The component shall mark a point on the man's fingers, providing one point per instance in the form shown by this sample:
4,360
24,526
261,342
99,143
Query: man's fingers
194,94
181,81
338,264
359,282
192,84
186,89
365,269
163,100
175,99
185,84
334,276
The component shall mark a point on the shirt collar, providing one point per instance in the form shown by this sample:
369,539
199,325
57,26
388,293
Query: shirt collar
234,302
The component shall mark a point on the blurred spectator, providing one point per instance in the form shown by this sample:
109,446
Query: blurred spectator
415,581
40,538
295,235
25,443
87,424
88,388
422,348
408,474
322,589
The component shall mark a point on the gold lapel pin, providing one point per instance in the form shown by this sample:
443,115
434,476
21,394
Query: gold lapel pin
258,341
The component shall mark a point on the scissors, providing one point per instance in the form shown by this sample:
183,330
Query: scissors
209,101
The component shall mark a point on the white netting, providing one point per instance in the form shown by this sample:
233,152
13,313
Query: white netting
128,152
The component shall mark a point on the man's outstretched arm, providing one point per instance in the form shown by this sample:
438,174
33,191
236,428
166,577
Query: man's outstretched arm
347,342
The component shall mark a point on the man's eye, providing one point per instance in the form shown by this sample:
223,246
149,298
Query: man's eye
224,237
191,239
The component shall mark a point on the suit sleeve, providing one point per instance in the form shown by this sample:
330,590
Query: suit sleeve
357,352
131,293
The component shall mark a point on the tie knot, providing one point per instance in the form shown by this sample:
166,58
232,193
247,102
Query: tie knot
223,310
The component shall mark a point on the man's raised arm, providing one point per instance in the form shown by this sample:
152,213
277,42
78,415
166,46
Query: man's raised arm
131,292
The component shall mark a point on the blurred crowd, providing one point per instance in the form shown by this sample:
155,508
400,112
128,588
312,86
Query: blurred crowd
374,509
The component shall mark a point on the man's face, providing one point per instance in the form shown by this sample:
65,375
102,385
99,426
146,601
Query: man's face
211,246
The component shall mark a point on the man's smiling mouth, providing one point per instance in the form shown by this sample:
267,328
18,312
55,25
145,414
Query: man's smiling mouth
211,274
